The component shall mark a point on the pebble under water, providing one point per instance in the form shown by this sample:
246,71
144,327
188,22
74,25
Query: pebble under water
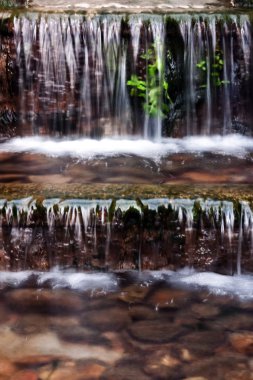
127,326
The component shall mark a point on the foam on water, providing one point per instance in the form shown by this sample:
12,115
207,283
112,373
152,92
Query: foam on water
58,279
235,145
240,286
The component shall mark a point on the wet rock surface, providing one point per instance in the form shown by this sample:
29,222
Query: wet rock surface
109,338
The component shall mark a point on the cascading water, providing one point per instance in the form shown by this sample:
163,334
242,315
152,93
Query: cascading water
110,76
87,225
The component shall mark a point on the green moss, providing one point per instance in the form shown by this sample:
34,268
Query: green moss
118,191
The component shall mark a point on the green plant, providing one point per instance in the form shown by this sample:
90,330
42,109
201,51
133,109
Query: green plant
216,71
154,89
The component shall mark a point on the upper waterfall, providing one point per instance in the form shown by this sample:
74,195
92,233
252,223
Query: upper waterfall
140,75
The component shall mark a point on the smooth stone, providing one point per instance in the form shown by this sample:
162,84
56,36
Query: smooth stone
202,343
204,310
7,368
80,334
5,315
125,370
25,375
39,360
242,342
112,319
195,378
91,369
45,301
159,331
168,298
239,375
186,318
163,364
48,343
133,294
238,321
78,371
141,312
63,374
215,367
29,324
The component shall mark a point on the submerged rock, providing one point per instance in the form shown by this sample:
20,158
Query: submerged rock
242,342
158,331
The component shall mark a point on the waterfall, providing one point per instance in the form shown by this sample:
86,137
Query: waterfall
113,76
196,227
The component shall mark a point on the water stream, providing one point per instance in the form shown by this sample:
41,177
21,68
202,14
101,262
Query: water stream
125,286
116,76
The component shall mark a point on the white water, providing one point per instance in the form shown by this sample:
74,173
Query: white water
58,279
234,145
74,72
239,286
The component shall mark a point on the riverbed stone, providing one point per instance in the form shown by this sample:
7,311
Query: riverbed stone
125,370
25,375
90,370
7,368
44,301
80,334
216,366
160,331
142,312
195,378
109,319
35,361
133,293
204,310
168,298
243,374
162,364
231,322
242,342
202,343
29,324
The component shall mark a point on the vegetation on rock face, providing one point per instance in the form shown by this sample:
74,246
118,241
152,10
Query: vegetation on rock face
152,87
216,70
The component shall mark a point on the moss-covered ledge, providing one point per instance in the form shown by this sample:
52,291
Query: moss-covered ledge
117,191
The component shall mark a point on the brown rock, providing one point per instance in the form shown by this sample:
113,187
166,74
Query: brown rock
77,334
125,370
38,360
91,370
7,368
202,343
44,301
29,324
107,319
242,342
168,298
141,312
133,294
215,367
204,310
243,374
77,371
234,322
163,364
157,331
25,375
195,378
